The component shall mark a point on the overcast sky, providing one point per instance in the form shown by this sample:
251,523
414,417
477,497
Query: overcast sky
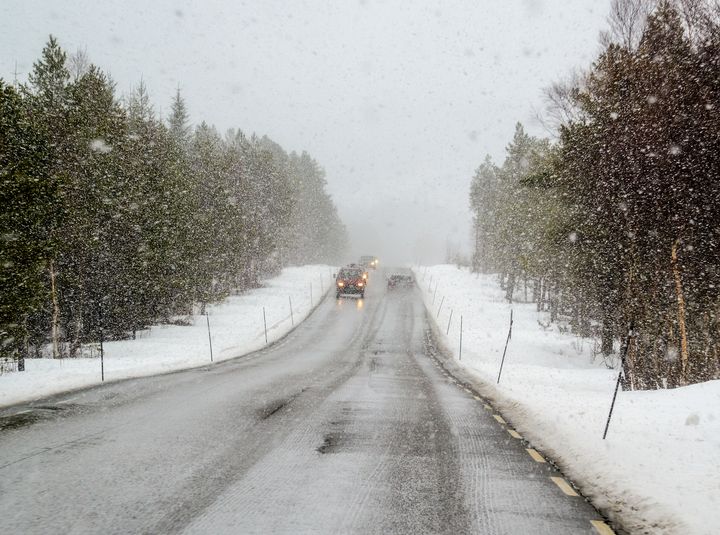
399,101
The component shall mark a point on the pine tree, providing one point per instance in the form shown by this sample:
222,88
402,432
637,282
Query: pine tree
178,121
28,201
47,95
113,221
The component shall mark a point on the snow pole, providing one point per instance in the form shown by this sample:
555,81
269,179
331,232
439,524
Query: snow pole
430,283
207,319
102,348
435,292
322,290
440,307
265,325
292,319
506,344
461,330
311,299
617,383
449,320
21,354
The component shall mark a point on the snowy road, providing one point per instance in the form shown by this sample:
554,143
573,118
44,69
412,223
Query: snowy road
346,426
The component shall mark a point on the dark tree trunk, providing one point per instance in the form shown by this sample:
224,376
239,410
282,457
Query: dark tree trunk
510,287
536,292
607,335
554,298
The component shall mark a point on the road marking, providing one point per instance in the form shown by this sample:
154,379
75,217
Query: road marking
567,489
488,407
499,419
514,433
602,528
535,455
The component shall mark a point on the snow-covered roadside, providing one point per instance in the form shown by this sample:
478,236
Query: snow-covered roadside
657,471
236,326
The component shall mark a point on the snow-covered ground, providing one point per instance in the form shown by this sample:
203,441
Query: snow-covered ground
236,327
657,471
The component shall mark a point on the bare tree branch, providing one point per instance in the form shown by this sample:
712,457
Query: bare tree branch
627,21
78,64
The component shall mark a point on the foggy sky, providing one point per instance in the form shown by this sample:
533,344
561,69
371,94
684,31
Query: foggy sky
398,101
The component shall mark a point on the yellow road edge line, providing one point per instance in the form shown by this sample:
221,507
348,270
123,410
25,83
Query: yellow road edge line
514,433
602,528
477,398
536,455
499,419
488,407
564,486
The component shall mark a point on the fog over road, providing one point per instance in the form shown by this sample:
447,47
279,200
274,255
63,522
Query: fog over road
348,425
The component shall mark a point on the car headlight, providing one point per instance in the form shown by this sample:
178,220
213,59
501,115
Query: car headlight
341,284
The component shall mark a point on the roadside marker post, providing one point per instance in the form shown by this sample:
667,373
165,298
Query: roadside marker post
207,318
322,290
265,326
430,283
311,299
506,346
622,367
102,359
102,349
435,292
461,331
447,331
440,307
292,319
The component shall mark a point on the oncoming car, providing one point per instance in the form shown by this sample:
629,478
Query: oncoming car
350,281
369,261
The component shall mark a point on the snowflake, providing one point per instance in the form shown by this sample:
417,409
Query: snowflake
99,145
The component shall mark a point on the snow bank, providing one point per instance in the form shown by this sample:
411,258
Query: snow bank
236,325
657,471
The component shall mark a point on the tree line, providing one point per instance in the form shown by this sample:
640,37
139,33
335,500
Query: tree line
113,218
614,226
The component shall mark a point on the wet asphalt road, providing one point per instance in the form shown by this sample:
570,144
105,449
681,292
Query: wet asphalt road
348,425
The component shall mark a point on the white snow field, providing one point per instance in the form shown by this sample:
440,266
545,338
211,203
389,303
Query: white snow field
236,326
658,471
